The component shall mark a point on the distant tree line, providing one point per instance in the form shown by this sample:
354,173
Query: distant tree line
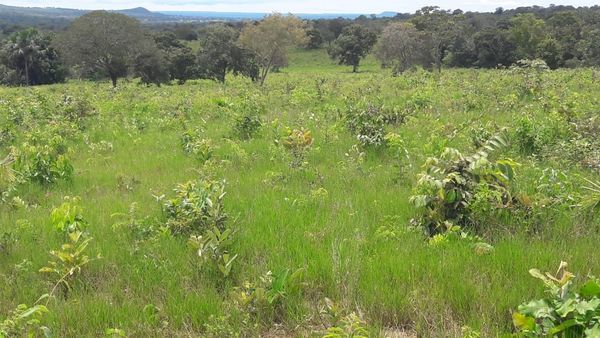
104,44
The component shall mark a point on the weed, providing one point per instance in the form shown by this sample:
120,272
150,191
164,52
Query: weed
298,142
68,262
564,312
25,321
68,217
197,207
455,187
367,123
213,247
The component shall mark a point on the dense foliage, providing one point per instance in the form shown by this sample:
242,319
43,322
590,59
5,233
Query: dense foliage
110,44
27,58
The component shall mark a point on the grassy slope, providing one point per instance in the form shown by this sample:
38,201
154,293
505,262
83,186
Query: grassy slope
403,282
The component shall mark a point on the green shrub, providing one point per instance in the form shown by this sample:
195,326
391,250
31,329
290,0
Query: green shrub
455,186
247,121
25,321
350,325
74,109
193,144
367,123
68,262
298,142
43,163
269,294
532,72
68,217
8,179
197,207
214,248
564,312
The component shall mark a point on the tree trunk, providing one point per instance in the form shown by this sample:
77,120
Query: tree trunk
223,75
26,72
113,78
264,74
354,68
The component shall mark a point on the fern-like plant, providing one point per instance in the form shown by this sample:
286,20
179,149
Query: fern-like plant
446,191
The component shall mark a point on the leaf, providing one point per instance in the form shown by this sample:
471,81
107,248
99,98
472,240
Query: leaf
451,196
523,322
594,332
566,308
590,289
278,284
538,274
38,309
537,308
565,325
584,307
46,331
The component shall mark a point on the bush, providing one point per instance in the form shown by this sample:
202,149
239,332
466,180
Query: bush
455,186
25,321
68,262
8,179
531,71
44,164
197,207
248,120
194,144
68,217
367,123
564,312
213,248
74,109
298,143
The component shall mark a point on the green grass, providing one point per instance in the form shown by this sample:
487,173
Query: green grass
403,282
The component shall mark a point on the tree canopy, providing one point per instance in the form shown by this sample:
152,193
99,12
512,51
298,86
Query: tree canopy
270,38
352,45
398,46
27,58
104,41
220,54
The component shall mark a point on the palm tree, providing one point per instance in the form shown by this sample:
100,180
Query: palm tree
24,43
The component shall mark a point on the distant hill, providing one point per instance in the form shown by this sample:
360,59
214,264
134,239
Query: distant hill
57,17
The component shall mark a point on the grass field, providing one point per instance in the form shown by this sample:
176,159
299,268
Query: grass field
324,217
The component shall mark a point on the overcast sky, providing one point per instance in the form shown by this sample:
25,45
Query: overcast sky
293,6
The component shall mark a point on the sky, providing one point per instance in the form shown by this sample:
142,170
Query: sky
293,6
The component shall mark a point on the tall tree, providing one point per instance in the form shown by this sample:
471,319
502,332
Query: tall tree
104,41
439,27
590,47
181,61
398,46
151,66
29,59
566,28
352,45
527,32
270,38
315,39
221,54
494,47
550,50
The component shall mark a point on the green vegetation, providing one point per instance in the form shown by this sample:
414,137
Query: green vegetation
285,209
116,44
